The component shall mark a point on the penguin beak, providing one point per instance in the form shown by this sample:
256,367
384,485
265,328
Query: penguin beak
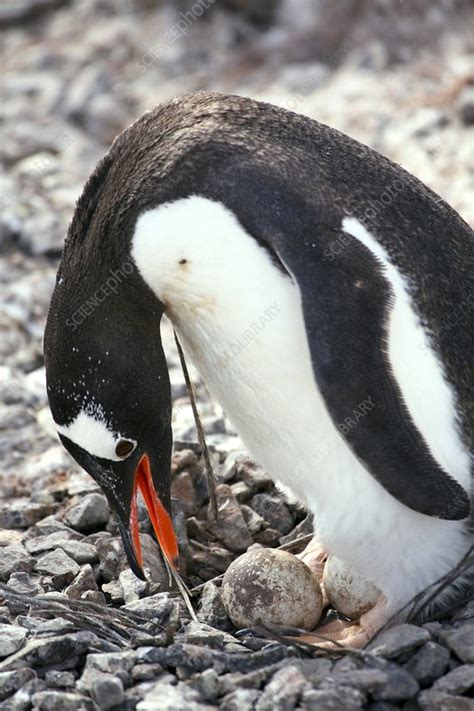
160,519
122,498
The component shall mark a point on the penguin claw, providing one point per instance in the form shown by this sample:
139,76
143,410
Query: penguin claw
348,634
336,634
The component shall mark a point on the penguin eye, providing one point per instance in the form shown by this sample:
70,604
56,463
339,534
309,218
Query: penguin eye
124,447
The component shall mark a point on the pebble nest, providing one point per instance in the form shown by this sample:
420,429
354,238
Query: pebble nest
77,629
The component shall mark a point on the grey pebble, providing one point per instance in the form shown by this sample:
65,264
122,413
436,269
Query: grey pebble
430,700
59,679
268,537
62,701
254,521
11,537
49,651
461,640
252,474
112,558
165,697
283,690
54,626
182,489
25,584
366,680
136,693
160,606
236,647
59,565
133,588
428,663
344,698
114,591
79,551
241,491
12,639
457,681
14,559
400,686
200,633
230,528
388,684
146,672
22,514
232,461
274,511
94,596
28,622
105,689
118,663
53,524
211,608
240,700
395,641
209,560
83,582
91,512
22,699
11,681
207,684
183,458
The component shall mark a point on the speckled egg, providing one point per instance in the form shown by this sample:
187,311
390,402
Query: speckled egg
347,591
271,587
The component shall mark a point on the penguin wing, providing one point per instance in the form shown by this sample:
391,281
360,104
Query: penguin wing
347,300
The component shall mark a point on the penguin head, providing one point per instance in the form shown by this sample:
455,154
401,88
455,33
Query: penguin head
107,377
109,394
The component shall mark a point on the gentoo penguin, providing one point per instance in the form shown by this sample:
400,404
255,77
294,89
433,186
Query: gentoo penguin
358,394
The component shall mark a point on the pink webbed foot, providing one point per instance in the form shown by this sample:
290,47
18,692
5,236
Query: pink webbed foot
350,634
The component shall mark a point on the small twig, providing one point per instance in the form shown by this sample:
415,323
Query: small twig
110,623
312,649
182,587
295,544
200,432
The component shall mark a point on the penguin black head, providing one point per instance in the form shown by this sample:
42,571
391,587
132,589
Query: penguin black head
107,377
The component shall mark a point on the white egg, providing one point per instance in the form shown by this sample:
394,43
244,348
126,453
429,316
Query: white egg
347,591
271,587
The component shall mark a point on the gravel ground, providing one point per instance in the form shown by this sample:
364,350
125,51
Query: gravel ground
77,630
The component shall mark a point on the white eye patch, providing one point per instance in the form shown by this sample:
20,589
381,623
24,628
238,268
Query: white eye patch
92,434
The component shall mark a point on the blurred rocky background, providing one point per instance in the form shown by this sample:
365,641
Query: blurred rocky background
76,629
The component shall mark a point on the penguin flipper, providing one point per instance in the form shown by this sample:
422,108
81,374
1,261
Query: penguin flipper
346,300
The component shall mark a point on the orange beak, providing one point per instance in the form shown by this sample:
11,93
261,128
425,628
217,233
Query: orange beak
160,518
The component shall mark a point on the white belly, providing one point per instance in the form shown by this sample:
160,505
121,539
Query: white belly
240,321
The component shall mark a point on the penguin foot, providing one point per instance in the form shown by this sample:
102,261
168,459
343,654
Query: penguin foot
349,634
336,634
315,557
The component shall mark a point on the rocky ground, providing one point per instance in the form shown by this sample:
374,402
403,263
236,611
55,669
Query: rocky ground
77,630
